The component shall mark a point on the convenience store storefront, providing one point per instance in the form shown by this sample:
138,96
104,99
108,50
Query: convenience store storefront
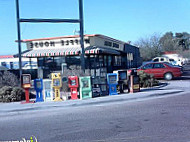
102,54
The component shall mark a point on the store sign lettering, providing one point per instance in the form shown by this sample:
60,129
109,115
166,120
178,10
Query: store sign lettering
54,43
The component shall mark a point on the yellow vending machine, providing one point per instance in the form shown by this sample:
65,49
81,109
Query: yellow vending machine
56,84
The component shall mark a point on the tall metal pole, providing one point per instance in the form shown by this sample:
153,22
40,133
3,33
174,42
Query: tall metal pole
82,34
19,37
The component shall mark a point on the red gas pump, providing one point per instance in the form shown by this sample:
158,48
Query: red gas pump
26,78
73,85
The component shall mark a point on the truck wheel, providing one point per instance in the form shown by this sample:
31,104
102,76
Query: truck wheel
168,76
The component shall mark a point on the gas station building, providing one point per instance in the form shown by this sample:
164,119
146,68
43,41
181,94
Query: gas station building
103,54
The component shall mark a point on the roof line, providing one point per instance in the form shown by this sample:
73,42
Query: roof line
71,36
50,38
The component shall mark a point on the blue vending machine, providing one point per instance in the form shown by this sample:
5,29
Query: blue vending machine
112,83
38,86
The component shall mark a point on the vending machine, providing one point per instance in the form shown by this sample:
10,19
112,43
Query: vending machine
122,78
99,86
85,87
112,83
96,90
56,84
38,86
26,84
134,82
73,84
47,90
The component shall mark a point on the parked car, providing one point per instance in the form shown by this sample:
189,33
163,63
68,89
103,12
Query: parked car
161,70
164,59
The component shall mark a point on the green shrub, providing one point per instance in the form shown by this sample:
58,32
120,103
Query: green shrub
147,80
11,94
8,79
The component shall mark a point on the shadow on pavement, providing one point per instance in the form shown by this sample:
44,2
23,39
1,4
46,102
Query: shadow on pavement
160,87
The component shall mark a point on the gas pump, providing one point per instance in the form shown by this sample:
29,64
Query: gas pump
112,83
47,90
56,84
73,85
25,80
38,86
85,87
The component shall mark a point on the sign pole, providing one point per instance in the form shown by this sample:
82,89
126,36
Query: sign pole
19,38
82,35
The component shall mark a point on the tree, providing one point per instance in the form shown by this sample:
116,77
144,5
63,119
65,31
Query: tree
154,45
183,40
179,42
149,47
168,43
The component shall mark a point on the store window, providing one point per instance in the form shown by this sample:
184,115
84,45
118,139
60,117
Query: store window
92,62
117,60
41,62
109,60
11,65
73,60
48,63
101,60
58,62
105,61
3,64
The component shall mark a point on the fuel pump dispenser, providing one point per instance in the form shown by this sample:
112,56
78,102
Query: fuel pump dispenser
38,86
85,87
56,84
112,83
25,80
73,85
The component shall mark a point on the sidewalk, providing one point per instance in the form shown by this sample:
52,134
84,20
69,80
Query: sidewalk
17,107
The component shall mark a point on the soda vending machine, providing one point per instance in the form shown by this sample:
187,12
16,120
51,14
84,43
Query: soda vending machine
73,84
112,83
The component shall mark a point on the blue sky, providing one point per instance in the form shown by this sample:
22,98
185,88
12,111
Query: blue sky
126,20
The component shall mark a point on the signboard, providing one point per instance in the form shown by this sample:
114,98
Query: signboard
73,41
57,43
